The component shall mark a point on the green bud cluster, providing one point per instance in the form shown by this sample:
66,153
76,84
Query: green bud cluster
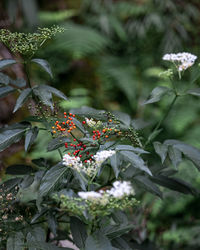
27,43
94,207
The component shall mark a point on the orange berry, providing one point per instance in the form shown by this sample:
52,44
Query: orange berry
65,113
73,115
54,131
106,136
65,116
69,153
74,126
70,114
63,123
53,127
110,120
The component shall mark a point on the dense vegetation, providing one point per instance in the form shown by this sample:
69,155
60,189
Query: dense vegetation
109,58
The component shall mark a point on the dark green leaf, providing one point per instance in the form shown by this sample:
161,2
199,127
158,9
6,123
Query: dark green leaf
190,152
136,161
4,79
4,91
154,134
15,242
174,184
9,137
51,178
118,230
123,117
130,148
19,82
161,150
78,231
10,184
39,245
43,95
121,244
19,169
41,162
31,135
44,64
54,91
39,215
115,164
6,62
97,241
22,98
175,156
52,223
148,185
89,112
157,94
36,234
195,92
57,143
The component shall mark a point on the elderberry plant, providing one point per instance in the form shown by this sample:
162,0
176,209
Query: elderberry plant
84,198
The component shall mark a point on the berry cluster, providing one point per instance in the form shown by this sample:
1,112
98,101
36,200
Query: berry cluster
80,150
63,126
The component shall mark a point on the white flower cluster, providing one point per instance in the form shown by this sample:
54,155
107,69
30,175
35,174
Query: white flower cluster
101,156
89,168
119,190
91,123
182,60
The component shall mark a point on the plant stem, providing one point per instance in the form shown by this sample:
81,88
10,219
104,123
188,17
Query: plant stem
162,119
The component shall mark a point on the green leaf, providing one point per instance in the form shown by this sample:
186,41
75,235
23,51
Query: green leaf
117,230
89,112
31,135
39,245
189,152
30,193
174,184
43,95
43,64
4,91
78,231
36,234
52,224
54,91
130,148
195,92
148,185
51,178
157,94
136,161
115,164
161,150
6,62
19,169
57,143
97,241
19,82
153,135
175,156
22,98
9,137
15,242
4,79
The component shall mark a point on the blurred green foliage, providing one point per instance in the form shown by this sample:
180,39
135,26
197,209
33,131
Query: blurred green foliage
110,57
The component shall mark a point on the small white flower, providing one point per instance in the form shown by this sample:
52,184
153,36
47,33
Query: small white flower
182,60
90,122
90,195
121,189
101,156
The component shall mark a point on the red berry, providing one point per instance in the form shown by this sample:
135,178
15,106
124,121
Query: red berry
90,159
87,152
74,140
84,146
85,161
80,156
83,122
70,114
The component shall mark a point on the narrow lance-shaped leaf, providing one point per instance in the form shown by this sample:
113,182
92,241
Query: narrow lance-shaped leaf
18,169
174,184
78,231
43,64
22,98
136,161
195,92
54,91
4,91
9,137
161,150
97,241
30,137
6,62
157,94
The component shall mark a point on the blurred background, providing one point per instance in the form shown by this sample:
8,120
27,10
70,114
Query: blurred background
110,57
